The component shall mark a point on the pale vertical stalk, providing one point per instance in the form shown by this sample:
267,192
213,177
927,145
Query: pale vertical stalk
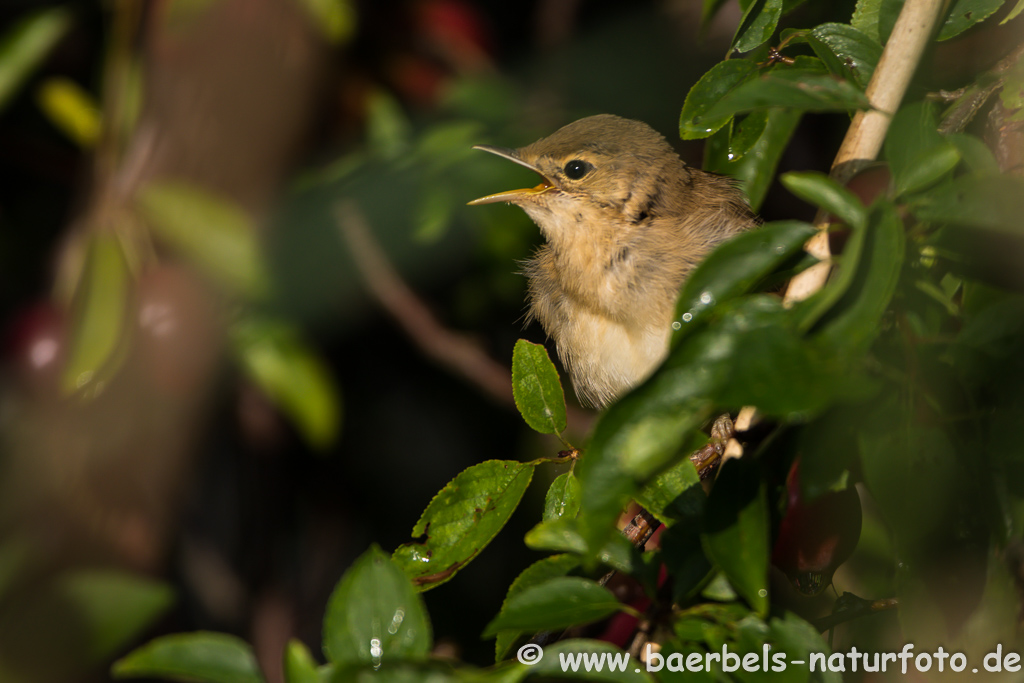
902,53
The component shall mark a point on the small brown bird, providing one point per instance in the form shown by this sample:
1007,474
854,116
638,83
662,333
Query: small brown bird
625,221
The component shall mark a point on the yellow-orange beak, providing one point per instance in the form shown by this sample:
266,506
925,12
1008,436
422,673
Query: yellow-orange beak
511,195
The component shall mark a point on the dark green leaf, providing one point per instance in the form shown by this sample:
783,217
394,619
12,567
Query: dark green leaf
821,191
857,53
965,14
927,168
755,166
556,603
717,83
676,494
25,44
563,535
374,615
735,534
537,389
976,155
626,671
888,13
210,231
855,320
201,656
536,574
299,666
563,497
993,202
746,132
100,309
462,519
388,129
683,555
912,133
865,18
757,25
802,88
735,267
280,363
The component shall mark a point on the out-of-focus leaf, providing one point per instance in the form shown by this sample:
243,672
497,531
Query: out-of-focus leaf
976,155
537,389
735,534
857,52
708,10
202,656
433,212
299,666
805,87
1017,9
927,168
865,18
556,603
716,84
275,357
388,129
335,19
25,44
855,320
563,535
755,167
210,231
563,497
912,133
625,671
462,519
965,14
757,25
888,13
71,109
821,191
115,605
100,308
735,267
993,202
534,575
683,555
676,495
375,615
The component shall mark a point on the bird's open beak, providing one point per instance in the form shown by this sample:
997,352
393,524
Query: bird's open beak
511,195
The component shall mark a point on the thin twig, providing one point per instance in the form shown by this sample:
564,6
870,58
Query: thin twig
864,138
454,351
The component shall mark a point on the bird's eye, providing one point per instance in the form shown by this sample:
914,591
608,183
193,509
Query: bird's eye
576,169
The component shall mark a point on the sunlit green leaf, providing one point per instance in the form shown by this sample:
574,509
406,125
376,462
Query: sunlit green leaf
717,83
375,615
556,603
201,656
1012,14
210,231
536,574
563,497
71,109
276,358
25,44
100,309
537,389
865,18
299,666
462,519
735,533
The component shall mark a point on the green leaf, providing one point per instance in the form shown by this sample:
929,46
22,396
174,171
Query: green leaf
676,495
563,535
276,358
536,574
757,25
927,168
965,14
210,231
993,202
735,533
562,498
99,313
716,84
389,132
299,666
462,519
537,389
913,134
684,559
626,670
821,191
803,87
72,110
735,267
1017,9
24,46
336,19
115,605
755,166
201,656
976,155
374,615
857,52
556,603
865,18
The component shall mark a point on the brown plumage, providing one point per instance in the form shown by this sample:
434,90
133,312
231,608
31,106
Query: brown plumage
625,221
